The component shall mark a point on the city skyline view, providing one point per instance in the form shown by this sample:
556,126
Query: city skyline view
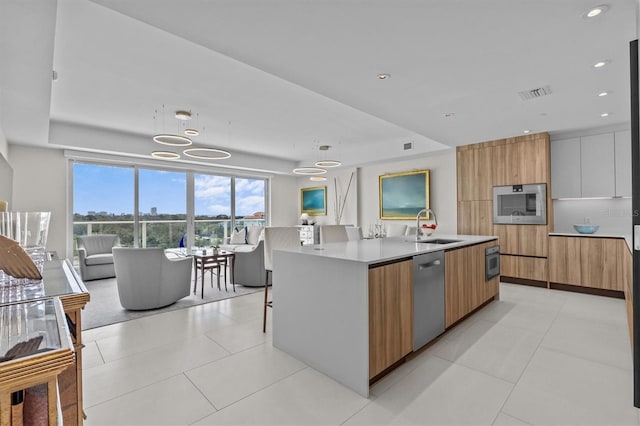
110,189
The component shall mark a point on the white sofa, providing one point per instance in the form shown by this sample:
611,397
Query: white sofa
147,279
243,240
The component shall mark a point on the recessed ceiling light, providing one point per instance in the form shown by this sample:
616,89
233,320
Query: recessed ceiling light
601,64
601,94
448,114
183,115
595,11
191,132
526,131
165,155
384,76
207,153
604,114
317,178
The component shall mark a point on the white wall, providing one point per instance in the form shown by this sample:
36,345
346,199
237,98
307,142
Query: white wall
614,215
283,201
6,172
40,184
442,174
337,182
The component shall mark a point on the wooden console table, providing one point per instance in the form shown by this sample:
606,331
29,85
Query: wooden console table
36,349
60,282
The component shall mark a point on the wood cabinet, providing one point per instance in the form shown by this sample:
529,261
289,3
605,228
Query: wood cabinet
465,284
390,314
521,160
474,174
586,261
475,217
529,268
523,240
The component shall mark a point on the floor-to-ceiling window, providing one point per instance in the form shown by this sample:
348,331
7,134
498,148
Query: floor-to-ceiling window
162,208
249,201
103,201
150,207
212,209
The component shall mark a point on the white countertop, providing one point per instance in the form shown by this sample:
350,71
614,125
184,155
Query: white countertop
627,238
386,249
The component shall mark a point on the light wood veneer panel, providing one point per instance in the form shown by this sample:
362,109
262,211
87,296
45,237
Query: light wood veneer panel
586,261
530,268
390,315
475,217
523,240
465,284
474,174
564,260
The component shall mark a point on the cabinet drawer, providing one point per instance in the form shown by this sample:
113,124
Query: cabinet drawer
529,268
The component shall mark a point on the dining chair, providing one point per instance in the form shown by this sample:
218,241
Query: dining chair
275,238
333,234
354,232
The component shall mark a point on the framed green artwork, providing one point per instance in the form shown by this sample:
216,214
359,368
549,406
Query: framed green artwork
313,201
403,195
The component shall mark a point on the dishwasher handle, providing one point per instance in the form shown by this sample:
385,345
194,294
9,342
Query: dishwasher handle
429,264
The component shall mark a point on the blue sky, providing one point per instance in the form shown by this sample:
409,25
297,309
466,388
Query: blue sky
110,189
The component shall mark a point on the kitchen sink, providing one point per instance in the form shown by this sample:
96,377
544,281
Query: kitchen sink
439,241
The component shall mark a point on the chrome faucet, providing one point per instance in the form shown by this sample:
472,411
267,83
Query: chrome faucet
418,229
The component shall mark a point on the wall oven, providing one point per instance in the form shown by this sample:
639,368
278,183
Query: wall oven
492,262
520,204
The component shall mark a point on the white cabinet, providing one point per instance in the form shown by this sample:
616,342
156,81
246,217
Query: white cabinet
591,166
597,156
623,163
306,234
565,169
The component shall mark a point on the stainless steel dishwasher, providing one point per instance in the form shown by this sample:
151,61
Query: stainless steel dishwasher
428,297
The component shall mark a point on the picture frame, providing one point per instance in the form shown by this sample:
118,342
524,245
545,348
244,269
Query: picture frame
313,201
403,195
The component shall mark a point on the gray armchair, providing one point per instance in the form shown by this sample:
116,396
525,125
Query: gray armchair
95,256
249,266
148,279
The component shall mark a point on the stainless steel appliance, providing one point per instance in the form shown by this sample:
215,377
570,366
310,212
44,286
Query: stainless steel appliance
492,262
428,297
520,204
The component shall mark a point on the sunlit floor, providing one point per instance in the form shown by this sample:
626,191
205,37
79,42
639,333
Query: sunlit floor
537,356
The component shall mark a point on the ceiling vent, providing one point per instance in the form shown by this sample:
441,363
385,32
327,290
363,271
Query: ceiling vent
408,146
535,93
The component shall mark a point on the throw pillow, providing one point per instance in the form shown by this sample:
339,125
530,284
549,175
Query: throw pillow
253,234
238,236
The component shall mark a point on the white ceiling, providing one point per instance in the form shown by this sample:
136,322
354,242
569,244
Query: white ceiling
276,78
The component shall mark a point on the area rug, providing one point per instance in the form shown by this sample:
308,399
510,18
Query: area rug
104,307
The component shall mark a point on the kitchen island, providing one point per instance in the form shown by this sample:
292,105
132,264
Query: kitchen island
346,309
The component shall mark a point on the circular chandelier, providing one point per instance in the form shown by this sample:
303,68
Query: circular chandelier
309,171
328,163
172,140
165,155
207,153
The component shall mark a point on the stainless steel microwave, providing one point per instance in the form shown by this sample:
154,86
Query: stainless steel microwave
520,204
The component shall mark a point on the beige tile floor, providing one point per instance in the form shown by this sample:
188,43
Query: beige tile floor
536,357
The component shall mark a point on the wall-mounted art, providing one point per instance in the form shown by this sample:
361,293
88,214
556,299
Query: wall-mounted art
313,201
403,195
